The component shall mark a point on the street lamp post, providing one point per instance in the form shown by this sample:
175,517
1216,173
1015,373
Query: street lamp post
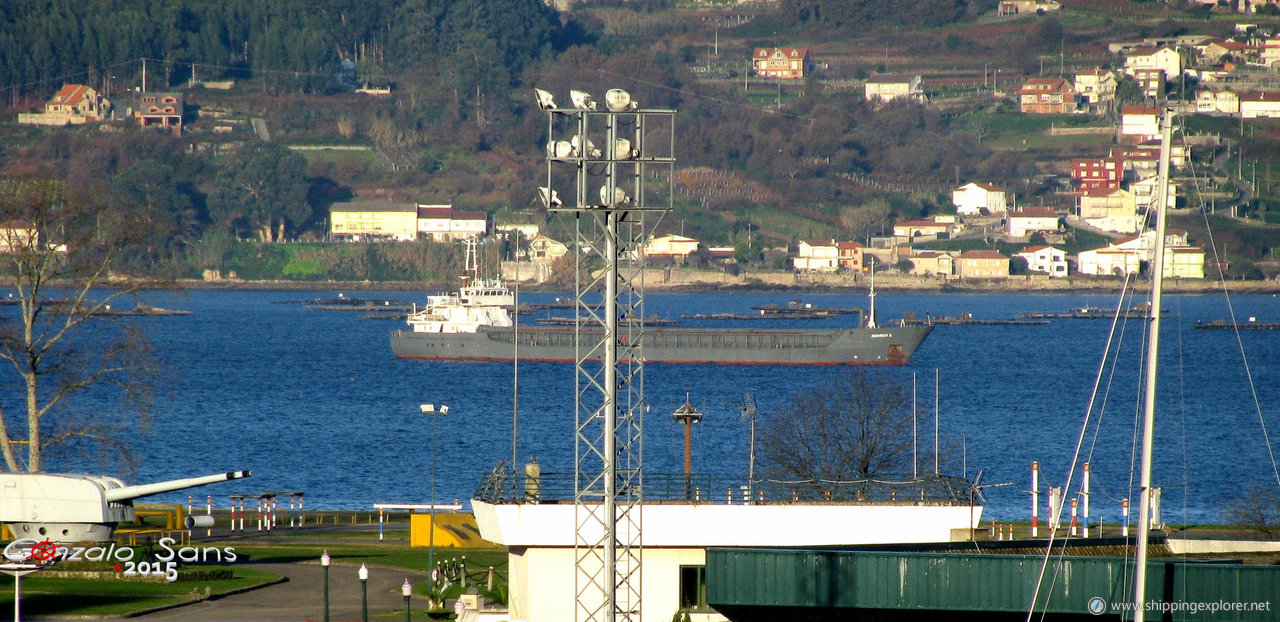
407,590
364,592
324,562
430,409
688,415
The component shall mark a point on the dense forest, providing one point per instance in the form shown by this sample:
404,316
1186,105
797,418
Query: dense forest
460,126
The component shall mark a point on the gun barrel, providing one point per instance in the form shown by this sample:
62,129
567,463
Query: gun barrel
128,493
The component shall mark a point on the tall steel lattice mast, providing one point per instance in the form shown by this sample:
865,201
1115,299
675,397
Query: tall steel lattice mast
617,162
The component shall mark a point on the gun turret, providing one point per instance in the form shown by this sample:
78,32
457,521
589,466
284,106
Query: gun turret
76,508
129,493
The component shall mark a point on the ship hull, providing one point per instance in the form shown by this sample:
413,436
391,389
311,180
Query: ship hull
854,346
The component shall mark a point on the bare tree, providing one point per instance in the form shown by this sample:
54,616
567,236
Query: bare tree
857,426
1258,509
57,250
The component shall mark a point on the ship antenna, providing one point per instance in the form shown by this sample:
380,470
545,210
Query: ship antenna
471,267
871,316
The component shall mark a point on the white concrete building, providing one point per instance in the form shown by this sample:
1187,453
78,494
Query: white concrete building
676,532
973,197
1097,86
442,223
816,257
1111,210
1163,58
1030,220
1217,101
1047,259
1259,105
1139,124
1107,261
890,86
1127,256
1144,193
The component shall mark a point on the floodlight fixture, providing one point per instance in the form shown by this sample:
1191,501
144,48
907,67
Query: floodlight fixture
622,150
545,100
582,100
561,148
618,100
591,151
550,198
619,196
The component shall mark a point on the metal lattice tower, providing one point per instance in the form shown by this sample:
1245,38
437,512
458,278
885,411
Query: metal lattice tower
616,168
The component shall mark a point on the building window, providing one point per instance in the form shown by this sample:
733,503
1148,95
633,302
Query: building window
693,587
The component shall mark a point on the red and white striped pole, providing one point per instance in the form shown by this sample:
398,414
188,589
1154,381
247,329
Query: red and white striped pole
1085,495
1035,499
1073,516
209,511
1124,514
260,500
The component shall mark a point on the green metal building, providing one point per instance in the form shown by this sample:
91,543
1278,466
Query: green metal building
750,585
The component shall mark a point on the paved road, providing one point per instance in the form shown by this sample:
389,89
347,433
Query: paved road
302,596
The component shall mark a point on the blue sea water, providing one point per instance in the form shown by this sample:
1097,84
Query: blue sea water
314,401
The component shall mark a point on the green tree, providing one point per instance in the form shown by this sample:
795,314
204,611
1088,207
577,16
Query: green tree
262,188
1127,91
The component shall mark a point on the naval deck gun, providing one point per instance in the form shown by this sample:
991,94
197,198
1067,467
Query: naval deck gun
67,508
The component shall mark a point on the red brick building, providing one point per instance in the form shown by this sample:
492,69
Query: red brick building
1097,173
1047,96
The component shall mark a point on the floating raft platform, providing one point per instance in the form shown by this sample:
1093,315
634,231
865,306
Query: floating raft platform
1250,325
967,319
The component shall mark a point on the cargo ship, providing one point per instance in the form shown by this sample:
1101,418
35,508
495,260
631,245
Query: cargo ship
460,327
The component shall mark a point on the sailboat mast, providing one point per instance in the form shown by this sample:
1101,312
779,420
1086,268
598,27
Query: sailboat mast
1153,351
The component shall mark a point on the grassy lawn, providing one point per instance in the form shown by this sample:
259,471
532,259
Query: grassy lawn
101,597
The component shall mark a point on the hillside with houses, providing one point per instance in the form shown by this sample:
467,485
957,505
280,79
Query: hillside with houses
969,141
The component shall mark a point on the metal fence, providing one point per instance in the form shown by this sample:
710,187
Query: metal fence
503,486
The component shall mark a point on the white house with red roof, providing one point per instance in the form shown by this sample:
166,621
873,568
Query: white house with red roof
912,229
1097,86
973,197
1163,58
1217,101
785,63
1127,256
816,257
1262,104
442,223
1139,124
1030,220
1047,259
74,104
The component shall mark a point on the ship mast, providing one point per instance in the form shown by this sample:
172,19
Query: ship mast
871,314
1153,351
